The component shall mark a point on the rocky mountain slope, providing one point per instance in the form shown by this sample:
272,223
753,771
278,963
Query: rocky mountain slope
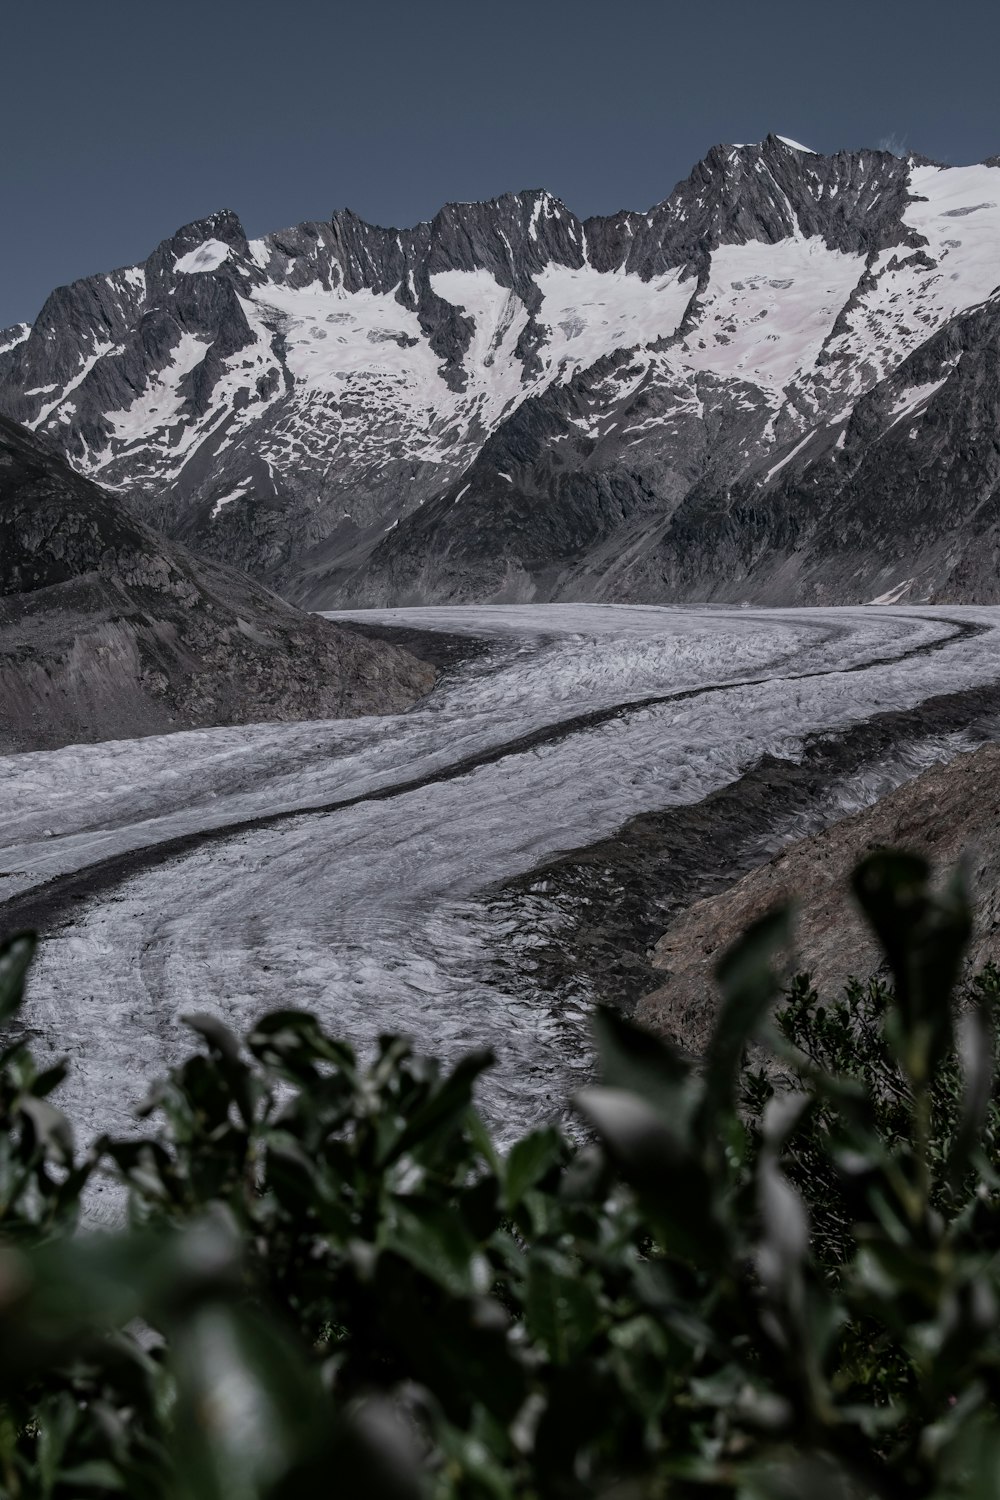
949,812
109,630
780,383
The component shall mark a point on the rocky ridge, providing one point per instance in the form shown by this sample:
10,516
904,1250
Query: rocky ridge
777,384
108,630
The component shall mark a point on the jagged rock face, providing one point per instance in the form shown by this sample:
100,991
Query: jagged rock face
511,403
108,630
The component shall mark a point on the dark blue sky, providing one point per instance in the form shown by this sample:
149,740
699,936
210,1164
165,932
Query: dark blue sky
123,119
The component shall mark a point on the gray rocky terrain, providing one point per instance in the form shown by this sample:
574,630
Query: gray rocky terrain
948,813
108,630
779,385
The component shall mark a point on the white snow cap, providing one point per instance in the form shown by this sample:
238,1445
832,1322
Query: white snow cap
785,141
206,257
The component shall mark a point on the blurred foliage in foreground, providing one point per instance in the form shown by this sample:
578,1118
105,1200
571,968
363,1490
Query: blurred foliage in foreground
754,1284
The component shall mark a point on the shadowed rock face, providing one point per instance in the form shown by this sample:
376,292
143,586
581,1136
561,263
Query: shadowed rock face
899,496
108,630
759,389
949,811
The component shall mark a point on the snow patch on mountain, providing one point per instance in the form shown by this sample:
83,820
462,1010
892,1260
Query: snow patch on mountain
11,337
58,405
206,257
227,499
589,313
494,371
916,396
768,309
957,210
331,336
158,406
776,468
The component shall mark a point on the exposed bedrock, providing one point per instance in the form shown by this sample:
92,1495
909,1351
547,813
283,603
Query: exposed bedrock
108,630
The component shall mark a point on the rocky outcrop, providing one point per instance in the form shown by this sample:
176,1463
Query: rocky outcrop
948,813
108,630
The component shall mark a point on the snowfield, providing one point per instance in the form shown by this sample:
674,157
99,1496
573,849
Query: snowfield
367,898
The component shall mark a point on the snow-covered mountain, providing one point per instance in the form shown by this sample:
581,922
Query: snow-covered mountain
779,383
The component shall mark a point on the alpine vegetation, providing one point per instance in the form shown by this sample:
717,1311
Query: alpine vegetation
747,1284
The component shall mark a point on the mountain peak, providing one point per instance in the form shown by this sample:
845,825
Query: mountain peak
224,224
289,401
771,141
205,244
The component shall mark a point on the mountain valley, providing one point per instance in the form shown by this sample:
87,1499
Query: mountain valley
536,478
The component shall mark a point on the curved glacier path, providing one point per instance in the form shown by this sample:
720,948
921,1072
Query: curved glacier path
345,866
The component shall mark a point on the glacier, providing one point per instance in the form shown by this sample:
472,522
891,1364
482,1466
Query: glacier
350,866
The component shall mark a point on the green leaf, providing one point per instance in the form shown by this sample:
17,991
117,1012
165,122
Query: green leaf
784,1234
97,1474
294,1039
219,1037
664,1166
924,938
445,1108
55,1421
561,1309
977,1054
434,1239
50,1127
16,954
749,987
482,1141
49,1079
528,1161
247,1408
634,1059
374,1455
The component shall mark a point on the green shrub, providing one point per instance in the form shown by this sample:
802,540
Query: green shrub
746,1284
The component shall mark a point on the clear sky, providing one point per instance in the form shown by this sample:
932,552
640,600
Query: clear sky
124,119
